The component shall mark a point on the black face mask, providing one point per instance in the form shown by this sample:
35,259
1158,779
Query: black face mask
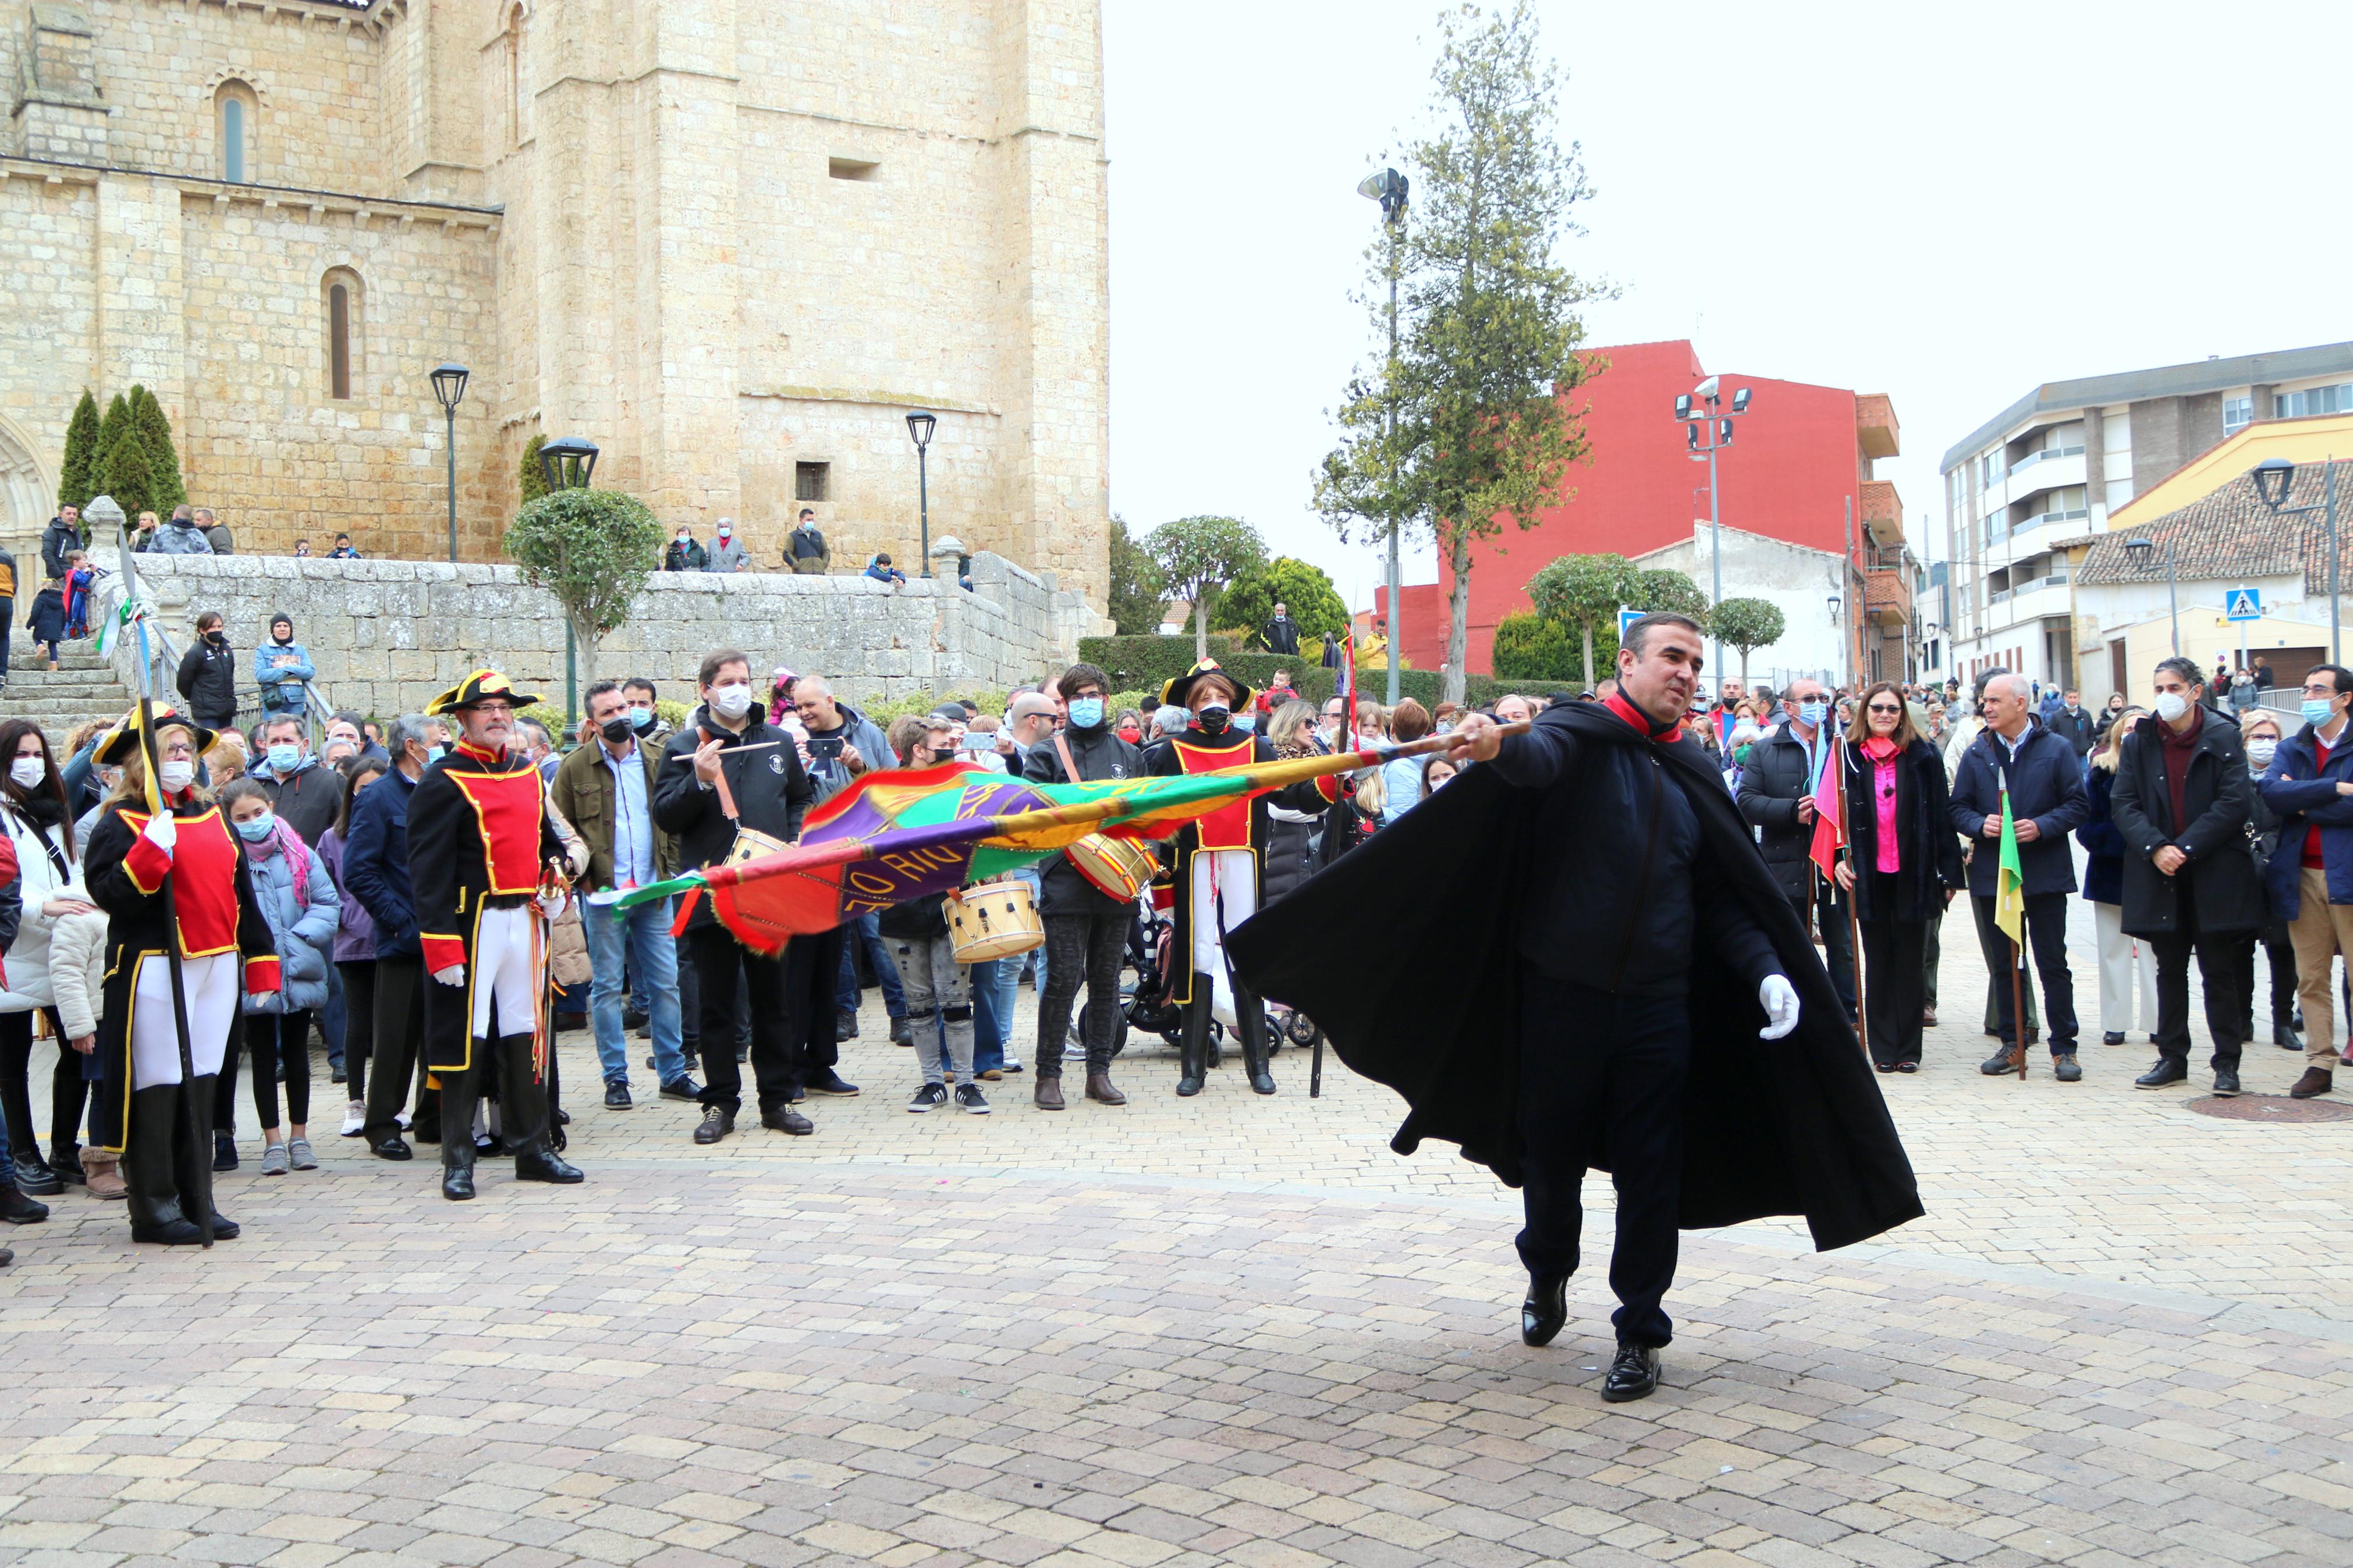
616,729
1211,721
216,636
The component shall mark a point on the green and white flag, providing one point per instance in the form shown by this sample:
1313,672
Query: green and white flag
114,627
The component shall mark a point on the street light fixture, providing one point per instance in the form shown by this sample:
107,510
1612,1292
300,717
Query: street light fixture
2138,550
1719,436
449,390
2273,478
921,423
1390,188
567,462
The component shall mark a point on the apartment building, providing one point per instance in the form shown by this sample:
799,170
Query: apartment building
2050,468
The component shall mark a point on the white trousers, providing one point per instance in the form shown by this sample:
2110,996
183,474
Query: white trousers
213,991
1231,877
2122,960
503,970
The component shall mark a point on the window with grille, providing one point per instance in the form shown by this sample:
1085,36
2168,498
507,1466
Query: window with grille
809,481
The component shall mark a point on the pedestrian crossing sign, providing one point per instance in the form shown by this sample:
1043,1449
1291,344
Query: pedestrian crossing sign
2243,604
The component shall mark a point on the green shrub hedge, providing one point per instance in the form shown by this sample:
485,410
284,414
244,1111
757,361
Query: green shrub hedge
1150,662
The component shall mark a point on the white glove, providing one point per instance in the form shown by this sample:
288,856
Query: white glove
1781,999
162,830
552,902
455,975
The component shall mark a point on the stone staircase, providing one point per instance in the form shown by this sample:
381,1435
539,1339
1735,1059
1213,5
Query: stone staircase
83,687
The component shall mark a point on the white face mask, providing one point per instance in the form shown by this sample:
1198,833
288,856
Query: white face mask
731,701
2171,705
176,775
28,772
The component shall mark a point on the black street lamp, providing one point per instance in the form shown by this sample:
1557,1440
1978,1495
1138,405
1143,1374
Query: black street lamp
921,423
2274,477
2138,550
1391,188
567,462
1719,436
449,390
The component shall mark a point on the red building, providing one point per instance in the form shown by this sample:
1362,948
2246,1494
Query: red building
1800,459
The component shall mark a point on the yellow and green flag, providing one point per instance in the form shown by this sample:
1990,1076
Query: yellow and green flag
2009,893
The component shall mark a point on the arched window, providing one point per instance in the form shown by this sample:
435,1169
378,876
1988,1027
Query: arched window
340,297
518,81
233,111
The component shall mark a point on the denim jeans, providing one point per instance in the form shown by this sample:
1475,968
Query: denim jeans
653,959
994,987
867,930
334,1018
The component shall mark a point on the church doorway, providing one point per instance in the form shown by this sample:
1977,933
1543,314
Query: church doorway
25,497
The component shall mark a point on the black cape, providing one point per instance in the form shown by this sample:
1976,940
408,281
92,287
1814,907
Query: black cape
1378,948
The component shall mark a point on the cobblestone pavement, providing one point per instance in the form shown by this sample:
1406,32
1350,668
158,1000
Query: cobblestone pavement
1228,1330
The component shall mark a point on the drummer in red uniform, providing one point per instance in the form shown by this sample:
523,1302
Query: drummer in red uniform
1219,860
489,872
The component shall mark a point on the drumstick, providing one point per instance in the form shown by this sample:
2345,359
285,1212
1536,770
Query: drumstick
754,746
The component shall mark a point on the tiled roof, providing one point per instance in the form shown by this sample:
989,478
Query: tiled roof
2231,534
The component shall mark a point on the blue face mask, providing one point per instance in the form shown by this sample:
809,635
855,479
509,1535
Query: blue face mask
436,752
283,756
1810,714
254,829
1086,712
2318,710
1245,721
641,718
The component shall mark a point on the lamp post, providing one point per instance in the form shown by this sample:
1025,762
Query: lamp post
1835,599
449,390
921,423
1390,188
2272,477
1718,426
566,464
2140,549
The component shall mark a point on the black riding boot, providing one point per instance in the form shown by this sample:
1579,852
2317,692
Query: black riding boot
1249,1023
457,1095
147,1170
524,1115
1193,1049
192,1155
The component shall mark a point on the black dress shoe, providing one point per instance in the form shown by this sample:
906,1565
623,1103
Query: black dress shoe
2113,1038
785,1119
224,1152
17,1209
392,1149
1545,1310
682,1088
174,1231
457,1185
35,1176
2226,1082
1633,1375
617,1096
717,1122
543,1166
2287,1038
1908,1067
2165,1071
1884,1066
225,1228
829,1081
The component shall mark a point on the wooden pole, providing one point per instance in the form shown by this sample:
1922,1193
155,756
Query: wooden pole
1853,924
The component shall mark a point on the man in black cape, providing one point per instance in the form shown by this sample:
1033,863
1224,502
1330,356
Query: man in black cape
1646,1002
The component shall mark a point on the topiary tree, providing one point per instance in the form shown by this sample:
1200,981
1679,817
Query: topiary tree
78,477
1200,555
534,483
1529,648
594,550
1748,625
165,489
121,469
1135,603
1585,592
1305,589
1661,589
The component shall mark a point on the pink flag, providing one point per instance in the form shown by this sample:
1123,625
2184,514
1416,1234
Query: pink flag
1830,828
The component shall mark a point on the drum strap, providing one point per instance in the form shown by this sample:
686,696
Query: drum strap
1063,750
726,796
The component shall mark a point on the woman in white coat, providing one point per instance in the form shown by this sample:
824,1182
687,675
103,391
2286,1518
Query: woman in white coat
33,809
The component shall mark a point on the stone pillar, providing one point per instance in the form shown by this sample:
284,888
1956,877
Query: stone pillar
140,309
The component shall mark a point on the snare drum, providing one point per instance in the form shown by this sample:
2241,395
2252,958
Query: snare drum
993,919
750,844
1116,867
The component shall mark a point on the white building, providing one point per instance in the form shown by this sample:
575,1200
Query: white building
1797,580
2054,464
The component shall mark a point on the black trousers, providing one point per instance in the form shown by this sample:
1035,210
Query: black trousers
271,1039
1829,924
399,1034
719,963
67,1087
1894,977
1601,1084
1081,948
501,1070
2282,957
2226,963
2046,934
359,1023
224,1085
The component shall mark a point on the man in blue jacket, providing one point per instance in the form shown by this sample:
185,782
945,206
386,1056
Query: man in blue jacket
376,870
2047,798
2311,874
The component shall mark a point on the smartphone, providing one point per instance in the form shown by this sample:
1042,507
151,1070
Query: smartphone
830,746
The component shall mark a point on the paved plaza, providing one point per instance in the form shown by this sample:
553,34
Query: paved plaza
1223,1329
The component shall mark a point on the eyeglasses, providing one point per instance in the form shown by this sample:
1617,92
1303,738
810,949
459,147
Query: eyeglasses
493,708
1883,708
2327,691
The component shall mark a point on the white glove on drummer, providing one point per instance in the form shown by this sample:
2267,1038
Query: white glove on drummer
552,902
162,830
1780,1000
453,975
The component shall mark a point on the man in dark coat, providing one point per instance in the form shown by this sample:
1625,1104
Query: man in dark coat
1586,878
1283,632
2181,801
1776,797
62,534
2048,800
2074,724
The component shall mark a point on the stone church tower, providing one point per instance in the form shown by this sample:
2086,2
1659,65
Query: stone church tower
731,244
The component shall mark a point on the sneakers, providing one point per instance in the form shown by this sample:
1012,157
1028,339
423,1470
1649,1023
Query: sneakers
299,1154
617,1095
354,1119
274,1161
845,1024
829,1082
717,1122
931,1096
969,1097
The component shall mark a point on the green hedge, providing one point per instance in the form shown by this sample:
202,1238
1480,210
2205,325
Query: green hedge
1150,662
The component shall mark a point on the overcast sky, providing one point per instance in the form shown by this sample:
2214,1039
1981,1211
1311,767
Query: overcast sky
1950,205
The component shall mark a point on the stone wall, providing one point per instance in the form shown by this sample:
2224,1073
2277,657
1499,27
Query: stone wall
385,636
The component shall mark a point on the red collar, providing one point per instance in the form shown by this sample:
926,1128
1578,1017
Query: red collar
1641,724
468,748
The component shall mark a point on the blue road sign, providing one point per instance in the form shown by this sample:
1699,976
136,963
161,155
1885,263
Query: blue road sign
2243,604
1627,617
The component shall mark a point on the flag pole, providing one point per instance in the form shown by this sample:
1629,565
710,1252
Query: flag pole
2017,947
1348,678
195,1116
1854,922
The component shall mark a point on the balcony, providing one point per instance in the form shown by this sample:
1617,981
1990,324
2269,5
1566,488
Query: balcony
2044,471
1875,430
1882,513
1887,596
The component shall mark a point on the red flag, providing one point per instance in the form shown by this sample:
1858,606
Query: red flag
1829,823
